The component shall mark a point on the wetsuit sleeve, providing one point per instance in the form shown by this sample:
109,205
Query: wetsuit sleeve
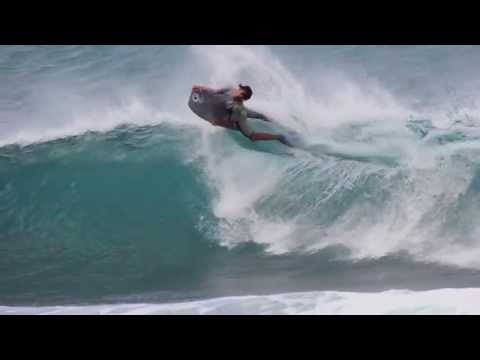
257,115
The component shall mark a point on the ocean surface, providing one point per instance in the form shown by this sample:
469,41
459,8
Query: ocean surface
116,199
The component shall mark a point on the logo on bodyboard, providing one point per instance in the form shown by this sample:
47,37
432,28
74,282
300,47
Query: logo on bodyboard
196,98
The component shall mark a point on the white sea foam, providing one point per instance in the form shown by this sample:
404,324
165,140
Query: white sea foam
391,302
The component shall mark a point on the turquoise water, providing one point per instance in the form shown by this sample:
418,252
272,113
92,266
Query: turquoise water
112,191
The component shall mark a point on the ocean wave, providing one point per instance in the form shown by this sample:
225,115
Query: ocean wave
109,186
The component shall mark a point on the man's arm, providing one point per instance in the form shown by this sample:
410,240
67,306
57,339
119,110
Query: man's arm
210,90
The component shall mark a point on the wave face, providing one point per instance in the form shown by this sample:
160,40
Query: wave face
112,191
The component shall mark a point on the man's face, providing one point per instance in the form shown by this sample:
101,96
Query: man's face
239,94
244,94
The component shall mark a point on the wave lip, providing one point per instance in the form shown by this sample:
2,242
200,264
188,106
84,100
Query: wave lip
391,302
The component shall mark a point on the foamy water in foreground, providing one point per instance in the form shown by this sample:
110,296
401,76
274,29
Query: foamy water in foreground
392,302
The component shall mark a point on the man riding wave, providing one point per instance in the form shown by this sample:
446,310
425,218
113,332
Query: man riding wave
237,113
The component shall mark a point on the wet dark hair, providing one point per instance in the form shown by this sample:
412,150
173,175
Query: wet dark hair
247,89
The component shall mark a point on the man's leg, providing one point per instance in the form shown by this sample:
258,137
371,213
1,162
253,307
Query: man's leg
259,136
